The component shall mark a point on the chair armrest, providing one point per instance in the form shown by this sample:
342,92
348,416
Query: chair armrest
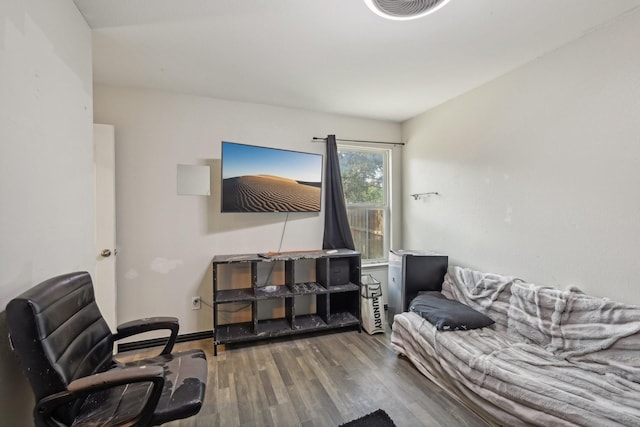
117,376
83,387
147,324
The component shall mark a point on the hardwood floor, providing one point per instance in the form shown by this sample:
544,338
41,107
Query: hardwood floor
319,380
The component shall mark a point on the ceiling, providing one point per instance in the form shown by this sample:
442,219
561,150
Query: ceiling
329,55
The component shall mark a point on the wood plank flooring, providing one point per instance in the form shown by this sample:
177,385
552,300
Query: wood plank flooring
319,381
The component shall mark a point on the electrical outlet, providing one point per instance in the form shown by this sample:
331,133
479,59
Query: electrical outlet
195,303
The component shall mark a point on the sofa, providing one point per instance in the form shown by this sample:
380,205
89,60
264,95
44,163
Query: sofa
551,357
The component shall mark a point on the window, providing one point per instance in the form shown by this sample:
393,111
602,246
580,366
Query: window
365,181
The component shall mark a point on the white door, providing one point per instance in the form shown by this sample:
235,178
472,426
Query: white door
105,211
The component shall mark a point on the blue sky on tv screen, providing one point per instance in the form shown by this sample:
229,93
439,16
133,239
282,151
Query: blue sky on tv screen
241,160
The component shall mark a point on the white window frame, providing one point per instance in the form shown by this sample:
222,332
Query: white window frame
387,155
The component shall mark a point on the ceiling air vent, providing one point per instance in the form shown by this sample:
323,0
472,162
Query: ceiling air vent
404,9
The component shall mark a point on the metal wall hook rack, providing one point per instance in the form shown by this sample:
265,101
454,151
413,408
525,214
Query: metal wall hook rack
419,196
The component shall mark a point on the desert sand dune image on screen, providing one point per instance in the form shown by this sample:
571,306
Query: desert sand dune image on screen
260,193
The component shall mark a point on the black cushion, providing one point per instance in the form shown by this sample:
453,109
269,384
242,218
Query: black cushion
184,388
446,314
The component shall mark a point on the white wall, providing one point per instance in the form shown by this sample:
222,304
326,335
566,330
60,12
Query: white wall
46,162
165,241
538,170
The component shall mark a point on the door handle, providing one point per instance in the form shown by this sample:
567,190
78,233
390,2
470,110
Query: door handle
106,253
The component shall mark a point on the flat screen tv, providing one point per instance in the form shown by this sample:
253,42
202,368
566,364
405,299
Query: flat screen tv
264,179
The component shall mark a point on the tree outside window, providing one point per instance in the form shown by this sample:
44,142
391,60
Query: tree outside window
365,180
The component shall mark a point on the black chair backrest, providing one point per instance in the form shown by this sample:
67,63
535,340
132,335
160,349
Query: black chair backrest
59,333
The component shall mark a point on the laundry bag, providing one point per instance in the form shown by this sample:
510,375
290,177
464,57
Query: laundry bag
371,305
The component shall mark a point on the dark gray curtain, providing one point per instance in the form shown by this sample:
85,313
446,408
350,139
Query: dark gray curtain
337,234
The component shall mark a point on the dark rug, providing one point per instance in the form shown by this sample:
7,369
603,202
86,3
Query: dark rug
377,418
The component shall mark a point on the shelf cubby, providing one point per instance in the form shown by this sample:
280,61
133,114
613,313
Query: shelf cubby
279,292
308,288
309,322
272,327
235,295
235,332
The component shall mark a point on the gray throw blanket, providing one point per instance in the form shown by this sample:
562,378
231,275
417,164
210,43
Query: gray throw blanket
552,358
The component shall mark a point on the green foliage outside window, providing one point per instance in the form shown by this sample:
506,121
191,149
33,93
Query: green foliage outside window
362,177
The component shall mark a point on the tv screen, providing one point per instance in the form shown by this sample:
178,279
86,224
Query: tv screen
263,179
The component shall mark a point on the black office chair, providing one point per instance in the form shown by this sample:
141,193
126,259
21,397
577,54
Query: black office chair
65,348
